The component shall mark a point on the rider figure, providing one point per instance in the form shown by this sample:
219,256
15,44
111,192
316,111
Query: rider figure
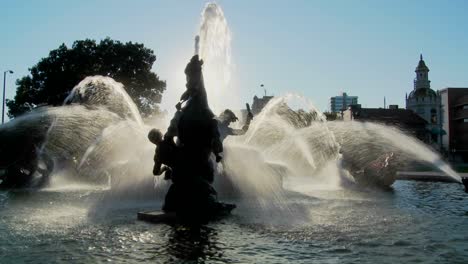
165,154
226,118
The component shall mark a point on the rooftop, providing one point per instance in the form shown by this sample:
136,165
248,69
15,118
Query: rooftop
421,65
405,116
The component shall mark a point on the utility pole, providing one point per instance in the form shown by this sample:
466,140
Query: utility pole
4,88
439,96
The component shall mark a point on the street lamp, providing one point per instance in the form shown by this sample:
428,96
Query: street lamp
261,85
4,86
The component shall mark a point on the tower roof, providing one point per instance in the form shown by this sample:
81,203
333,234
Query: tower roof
422,93
421,65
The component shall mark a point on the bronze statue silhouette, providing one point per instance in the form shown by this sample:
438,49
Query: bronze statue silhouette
22,162
227,117
165,155
191,195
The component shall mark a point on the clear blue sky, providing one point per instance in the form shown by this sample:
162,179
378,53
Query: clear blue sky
314,48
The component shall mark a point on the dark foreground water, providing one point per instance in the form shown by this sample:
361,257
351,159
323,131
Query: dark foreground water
416,223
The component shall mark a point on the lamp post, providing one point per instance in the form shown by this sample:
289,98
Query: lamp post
4,86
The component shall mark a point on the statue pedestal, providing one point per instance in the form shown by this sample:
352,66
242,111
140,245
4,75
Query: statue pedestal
157,217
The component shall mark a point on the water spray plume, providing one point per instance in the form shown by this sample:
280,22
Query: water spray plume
197,45
213,44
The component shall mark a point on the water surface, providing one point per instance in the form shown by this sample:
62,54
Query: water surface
415,223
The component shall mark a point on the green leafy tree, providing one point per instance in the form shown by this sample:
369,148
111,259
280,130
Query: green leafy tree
53,77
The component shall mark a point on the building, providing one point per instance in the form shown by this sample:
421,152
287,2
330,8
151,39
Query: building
425,102
454,106
259,103
256,107
404,119
341,102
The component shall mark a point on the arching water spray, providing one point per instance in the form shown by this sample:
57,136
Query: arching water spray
213,44
83,137
287,130
106,92
364,141
304,144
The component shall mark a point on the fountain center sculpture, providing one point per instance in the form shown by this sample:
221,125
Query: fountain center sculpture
191,196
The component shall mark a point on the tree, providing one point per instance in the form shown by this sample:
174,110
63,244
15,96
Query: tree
331,116
53,77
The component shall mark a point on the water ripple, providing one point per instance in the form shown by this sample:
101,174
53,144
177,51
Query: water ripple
417,223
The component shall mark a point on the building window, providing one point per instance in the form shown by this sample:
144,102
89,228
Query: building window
465,107
465,120
433,116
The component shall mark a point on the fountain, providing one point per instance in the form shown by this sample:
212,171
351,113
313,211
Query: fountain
289,133
297,179
82,136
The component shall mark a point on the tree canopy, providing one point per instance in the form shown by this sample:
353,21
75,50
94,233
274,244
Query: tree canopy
331,116
53,77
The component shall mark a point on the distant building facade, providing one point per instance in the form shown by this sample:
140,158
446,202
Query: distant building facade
341,102
256,107
454,108
259,103
425,102
403,119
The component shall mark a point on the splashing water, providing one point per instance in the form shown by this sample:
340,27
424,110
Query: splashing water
121,150
213,44
279,147
283,138
101,134
83,136
292,136
366,140
105,92
303,144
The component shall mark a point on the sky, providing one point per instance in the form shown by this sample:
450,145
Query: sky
314,48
